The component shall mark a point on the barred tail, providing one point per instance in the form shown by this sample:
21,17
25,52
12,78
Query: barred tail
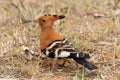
85,63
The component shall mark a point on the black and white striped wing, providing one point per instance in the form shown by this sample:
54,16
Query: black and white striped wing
63,49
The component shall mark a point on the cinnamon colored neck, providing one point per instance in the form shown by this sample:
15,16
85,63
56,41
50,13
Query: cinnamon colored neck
47,36
47,29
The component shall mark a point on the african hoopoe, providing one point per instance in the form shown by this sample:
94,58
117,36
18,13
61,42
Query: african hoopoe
55,45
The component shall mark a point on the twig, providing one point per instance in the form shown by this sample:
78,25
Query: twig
28,21
21,3
14,5
117,62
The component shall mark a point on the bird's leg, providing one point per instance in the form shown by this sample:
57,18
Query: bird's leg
63,64
64,61
52,65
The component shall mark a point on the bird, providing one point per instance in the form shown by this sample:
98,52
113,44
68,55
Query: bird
54,45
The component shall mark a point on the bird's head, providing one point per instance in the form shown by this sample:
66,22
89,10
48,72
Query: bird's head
47,21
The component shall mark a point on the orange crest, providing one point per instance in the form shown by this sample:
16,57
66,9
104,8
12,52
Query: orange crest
47,21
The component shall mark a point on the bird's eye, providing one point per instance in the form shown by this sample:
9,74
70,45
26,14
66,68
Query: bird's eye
43,20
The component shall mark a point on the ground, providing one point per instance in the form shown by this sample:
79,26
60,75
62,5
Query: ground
91,25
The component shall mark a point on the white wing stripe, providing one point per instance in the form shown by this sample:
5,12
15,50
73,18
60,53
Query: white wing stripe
64,54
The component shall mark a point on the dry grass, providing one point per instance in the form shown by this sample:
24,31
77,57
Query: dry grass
91,25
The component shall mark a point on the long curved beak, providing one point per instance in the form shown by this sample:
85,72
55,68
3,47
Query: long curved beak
57,17
61,16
